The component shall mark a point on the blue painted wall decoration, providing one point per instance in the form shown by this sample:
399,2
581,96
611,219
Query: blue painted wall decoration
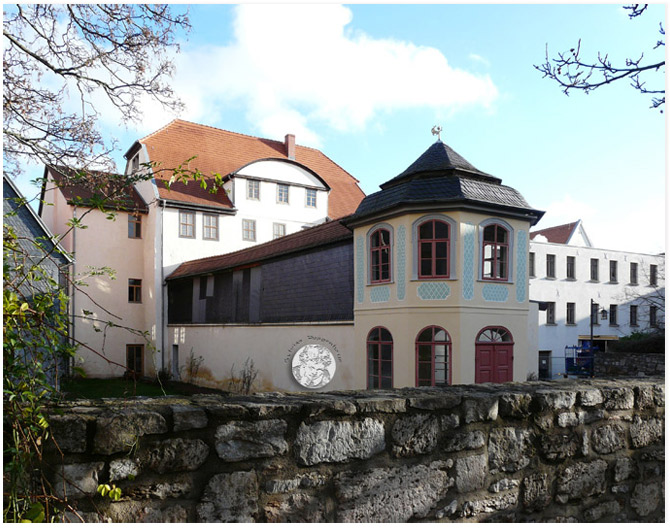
521,260
401,262
495,292
468,282
360,269
380,294
433,291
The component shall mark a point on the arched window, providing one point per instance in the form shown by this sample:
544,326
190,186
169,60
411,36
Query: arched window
495,252
434,250
494,334
380,256
433,357
380,359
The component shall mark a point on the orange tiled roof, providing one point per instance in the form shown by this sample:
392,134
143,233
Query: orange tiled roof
326,233
223,152
556,235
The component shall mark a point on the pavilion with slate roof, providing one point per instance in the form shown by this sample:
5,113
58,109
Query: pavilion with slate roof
441,282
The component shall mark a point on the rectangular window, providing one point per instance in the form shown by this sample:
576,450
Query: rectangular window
551,266
653,316
186,224
134,226
253,190
633,315
210,226
282,193
310,198
249,230
570,314
134,290
653,275
614,315
551,313
594,269
135,360
135,163
278,230
570,268
633,272
614,271
531,264
595,308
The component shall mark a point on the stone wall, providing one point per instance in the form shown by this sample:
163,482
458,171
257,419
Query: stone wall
626,364
536,451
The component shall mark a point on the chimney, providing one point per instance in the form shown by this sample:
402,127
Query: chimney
289,141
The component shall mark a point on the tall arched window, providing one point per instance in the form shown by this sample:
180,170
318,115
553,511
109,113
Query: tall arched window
380,256
433,357
434,250
380,359
495,252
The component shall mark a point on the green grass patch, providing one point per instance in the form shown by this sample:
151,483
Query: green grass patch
111,388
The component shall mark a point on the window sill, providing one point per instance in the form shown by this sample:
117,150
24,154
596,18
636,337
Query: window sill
571,279
437,279
386,283
633,284
613,282
550,324
614,325
595,281
570,324
494,281
550,278
634,325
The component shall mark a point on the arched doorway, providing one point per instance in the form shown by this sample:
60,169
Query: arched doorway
494,355
433,357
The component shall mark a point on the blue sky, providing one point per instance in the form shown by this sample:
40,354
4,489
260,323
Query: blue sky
366,83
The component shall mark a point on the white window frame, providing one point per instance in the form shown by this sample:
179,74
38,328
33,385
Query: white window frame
280,188
253,190
249,230
190,214
206,228
276,228
310,195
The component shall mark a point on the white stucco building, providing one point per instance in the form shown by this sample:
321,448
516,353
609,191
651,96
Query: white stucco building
567,273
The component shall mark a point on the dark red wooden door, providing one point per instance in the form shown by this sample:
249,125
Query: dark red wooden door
493,362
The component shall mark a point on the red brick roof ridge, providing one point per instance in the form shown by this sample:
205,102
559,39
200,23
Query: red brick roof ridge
257,253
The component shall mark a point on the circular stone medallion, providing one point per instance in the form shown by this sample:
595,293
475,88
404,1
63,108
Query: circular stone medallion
313,366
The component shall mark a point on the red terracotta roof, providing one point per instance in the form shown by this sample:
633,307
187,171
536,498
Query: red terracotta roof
222,152
558,234
326,233
89,188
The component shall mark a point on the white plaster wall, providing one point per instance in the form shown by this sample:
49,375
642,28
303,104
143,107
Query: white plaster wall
271,347
580,291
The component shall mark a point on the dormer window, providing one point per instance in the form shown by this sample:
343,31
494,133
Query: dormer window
495,253
380,256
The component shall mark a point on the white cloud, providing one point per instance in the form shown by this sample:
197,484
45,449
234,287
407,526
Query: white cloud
293,67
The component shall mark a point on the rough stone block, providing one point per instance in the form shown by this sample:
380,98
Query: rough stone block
646,432
555,400
230,497
187,417
503,485
514,405
466,440
176,454
449,421
624,468
471,473
171,514
389,494
608,438
603,509
69,432
620,398
382,405
644,397
73,481
510,449
414,435
500,502
480,408
296,508
434,402
337,441
559,446
590,397
646,498
536,491
119,431
122,468
659,395
237,441
583,479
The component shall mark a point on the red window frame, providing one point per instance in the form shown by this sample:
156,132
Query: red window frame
420,344
378,342
434,243
380,272
499,252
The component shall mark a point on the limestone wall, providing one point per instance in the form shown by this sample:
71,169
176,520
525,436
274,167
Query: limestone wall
626,364
535,451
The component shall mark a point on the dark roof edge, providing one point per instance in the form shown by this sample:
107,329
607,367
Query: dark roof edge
177,204
453,172
233,174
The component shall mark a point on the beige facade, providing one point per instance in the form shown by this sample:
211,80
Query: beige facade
462,304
